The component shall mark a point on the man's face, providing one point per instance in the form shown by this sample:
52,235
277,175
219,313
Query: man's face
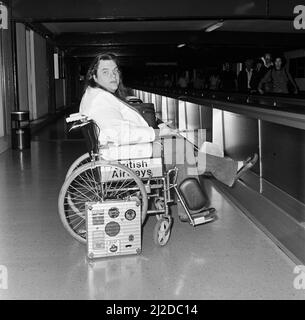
108,75
248,64
278,63
268,58
259,64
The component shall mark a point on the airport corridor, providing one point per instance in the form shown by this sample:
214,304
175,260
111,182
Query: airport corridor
229,258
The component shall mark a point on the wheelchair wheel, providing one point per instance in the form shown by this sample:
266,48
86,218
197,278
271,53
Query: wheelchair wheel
92,182
83,159
162,232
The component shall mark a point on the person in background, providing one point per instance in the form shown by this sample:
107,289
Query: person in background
267,66
279,78
227,79
245,76
167,81
257,75
183,81
267,61
199,81
214,81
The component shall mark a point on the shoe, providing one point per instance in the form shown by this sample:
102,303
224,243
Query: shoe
249,163
209,211
183,218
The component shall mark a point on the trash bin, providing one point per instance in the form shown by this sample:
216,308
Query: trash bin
21,134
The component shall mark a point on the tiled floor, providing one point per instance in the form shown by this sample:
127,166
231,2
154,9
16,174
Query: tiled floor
227,259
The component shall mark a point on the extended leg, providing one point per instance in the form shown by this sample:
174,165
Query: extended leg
223,169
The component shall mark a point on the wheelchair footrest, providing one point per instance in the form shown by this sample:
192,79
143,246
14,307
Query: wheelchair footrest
203,216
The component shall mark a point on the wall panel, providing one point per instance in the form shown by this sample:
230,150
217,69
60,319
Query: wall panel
22,67
41,76
240,135
283,158
60,93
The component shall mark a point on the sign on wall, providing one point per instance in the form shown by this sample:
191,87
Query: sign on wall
3,16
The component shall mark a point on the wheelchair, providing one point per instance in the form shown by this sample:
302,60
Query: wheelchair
91,178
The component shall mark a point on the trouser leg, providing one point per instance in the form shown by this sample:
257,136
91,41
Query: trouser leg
223,169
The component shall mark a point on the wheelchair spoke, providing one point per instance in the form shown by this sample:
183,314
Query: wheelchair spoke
79,224
116,185
124,185
75,208
75,202
88,180
134,193
85,187
105,188
127,191
90,187
74,221
76,196
80,192
96,182
75,217
81,185
71,216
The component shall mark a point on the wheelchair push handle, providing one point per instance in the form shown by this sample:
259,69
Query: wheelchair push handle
79,120
73,117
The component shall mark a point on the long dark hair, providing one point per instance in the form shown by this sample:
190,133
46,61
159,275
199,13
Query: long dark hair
92,71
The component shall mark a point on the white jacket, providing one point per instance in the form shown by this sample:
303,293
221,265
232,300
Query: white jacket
119,124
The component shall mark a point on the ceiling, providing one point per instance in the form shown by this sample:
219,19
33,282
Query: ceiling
142,31
249,25
158,40
126,26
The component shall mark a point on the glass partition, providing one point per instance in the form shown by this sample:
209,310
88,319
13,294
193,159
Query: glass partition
172,111
181,115
164,115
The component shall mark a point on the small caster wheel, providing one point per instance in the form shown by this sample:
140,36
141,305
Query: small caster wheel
162,232
159,205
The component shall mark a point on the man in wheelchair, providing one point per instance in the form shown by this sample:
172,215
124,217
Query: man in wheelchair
131,136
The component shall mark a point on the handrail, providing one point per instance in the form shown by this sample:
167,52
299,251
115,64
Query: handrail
281,110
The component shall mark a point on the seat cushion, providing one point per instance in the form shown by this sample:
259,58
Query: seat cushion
132,151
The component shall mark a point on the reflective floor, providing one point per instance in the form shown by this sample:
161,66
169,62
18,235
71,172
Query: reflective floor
227,259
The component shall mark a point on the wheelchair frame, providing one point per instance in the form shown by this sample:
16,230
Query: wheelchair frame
74,194
157,188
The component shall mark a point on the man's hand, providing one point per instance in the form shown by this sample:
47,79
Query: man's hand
166,131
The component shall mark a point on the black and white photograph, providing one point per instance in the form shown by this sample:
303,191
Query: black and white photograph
152,153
